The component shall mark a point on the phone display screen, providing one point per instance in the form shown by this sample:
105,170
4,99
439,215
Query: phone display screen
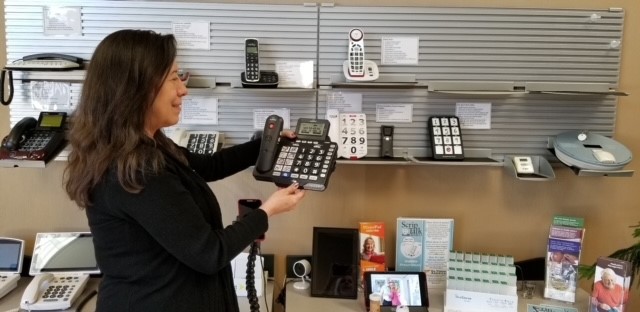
311,128
9,256
64,252
252,49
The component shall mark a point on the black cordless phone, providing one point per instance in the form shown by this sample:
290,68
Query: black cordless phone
386,137
308,160
252,60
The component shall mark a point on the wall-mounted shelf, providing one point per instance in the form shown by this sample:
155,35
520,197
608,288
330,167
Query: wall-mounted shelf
565,88
542,169
385,81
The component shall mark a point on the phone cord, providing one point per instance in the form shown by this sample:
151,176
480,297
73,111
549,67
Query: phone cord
252,294
10,75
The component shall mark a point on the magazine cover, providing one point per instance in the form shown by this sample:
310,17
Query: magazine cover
424,245
610,285
563,256
372,256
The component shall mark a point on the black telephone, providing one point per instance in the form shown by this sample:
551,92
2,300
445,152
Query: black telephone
253,77
36,62
309,159
32,139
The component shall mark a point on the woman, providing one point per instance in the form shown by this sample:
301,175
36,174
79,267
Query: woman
368,248
157,226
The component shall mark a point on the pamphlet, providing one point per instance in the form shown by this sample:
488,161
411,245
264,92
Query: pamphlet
372,253
424,245
610,285
563,256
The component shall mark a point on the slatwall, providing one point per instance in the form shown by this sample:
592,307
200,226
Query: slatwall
522,51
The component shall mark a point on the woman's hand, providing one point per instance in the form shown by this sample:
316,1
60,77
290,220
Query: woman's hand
283,200
290,134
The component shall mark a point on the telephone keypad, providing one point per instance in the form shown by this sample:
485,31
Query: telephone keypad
37,141
305,161
446,138
61,289
202,143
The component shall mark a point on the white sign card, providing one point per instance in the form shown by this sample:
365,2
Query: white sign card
261,115
474,115
199,110
50,95
394,112
192,35
62,21
345,102
399,50
295,74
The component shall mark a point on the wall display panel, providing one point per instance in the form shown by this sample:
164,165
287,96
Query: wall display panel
285,32
520,123
522,51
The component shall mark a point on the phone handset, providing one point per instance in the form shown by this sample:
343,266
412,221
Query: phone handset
356,67
17,134
269,145
252,60
35,288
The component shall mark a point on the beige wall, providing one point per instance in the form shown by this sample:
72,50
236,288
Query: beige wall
493,211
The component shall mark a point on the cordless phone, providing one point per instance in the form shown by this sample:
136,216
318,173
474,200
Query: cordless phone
356,67
356,53
252,60
308,160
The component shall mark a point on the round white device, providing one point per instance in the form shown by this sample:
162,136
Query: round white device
301,269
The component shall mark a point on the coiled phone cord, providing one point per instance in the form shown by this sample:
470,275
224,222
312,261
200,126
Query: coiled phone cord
252,294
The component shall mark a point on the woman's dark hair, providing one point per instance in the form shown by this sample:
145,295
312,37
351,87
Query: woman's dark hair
123,78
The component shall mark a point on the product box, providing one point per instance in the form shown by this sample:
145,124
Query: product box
471,301
563,256
372,257
610,285
424,245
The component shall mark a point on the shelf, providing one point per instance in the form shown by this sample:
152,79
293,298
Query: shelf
398,81
568,88
376,161
542,169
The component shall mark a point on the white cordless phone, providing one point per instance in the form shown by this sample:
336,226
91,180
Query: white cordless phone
356,53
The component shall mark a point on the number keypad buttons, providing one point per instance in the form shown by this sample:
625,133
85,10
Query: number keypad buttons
353,135
306,161
446,137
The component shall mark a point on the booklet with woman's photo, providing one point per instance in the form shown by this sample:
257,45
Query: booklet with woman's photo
610,285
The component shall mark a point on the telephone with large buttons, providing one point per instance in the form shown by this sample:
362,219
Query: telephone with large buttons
308,160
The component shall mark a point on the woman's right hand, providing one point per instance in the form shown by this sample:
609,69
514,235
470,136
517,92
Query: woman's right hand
283,200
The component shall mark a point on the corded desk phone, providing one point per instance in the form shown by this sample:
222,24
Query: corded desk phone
61,265
37,62
308,160
32,139
203,142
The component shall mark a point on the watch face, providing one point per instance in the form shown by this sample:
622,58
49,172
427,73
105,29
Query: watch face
356,34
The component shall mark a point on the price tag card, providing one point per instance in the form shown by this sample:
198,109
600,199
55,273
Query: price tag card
353,135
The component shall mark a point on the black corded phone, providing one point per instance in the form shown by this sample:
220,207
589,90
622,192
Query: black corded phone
36,62
309,159
32,139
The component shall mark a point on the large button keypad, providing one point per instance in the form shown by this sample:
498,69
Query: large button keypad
37,141
202,143
305,161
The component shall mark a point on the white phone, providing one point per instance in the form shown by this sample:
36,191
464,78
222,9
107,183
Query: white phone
48,291
523,164
11,253
356,67
204,142
61,265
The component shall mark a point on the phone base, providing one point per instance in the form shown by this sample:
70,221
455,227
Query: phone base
370,71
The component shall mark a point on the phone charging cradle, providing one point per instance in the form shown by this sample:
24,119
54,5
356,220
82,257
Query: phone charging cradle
370,71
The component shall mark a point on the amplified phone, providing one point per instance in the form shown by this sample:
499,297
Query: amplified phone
46,61
61,265
246,206
203,142
308,160
32,139
356,67
11,254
